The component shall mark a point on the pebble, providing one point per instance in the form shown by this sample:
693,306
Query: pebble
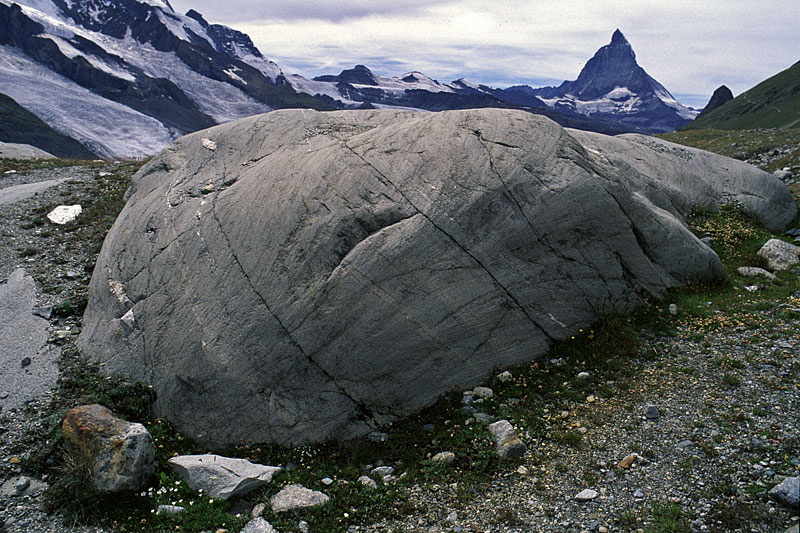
327,481
3,395
26,361
504,377
583,375
651,412
368,482
22,484
383,470
686,444
444,458
483,392
591,399
673,309
302,525
170,510
523,471
627,462
586,495
638,494
258,510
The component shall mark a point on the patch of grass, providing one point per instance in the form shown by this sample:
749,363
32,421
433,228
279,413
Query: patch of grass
28,252
731,380
668,517
744,144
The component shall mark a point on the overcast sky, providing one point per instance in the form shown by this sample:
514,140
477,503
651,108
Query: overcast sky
690,46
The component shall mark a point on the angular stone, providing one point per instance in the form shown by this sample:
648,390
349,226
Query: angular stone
504,377
222,477
787,493
627,462
441,241
64,214
507,441
296,497
119,454
258,525
780,255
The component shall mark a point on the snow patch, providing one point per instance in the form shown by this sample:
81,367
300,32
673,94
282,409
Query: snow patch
71,52
231,72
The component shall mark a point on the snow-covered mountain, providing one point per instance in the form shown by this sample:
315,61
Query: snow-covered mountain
612,91
612,86
125,77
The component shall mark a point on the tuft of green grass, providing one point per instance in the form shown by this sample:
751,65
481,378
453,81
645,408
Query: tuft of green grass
668,517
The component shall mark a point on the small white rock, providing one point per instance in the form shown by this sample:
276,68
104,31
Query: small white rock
368,482
586,495
505,377
209,144
64,214
483,392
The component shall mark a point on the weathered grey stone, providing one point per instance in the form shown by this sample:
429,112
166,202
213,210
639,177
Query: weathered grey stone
368,482
170,509
444,458
119,454
787,493
651,412
383,471
222,477
350,267
752,272
258,525
507,441
780,255
296,497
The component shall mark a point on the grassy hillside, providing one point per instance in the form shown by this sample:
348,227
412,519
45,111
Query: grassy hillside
773,103
18,125
769,149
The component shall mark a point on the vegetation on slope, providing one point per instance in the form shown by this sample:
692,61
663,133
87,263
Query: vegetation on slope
773,103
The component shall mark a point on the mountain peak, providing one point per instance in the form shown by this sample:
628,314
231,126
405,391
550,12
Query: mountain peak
618,38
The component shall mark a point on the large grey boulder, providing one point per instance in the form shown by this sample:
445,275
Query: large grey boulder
301,276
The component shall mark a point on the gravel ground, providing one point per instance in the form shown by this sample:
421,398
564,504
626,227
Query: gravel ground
726,429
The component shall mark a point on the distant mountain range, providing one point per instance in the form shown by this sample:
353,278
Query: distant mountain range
126,77
773,103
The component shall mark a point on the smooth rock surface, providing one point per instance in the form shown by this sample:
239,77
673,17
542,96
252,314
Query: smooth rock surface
780,255
23,336
296,497
586,495
320,273
22,151
120,454
222,477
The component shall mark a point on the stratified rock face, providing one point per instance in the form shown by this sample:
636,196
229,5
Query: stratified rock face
300,276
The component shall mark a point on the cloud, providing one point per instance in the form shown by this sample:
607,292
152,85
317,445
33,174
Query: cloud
691,47
293,10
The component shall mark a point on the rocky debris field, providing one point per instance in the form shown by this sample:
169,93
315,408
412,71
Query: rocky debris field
687,429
